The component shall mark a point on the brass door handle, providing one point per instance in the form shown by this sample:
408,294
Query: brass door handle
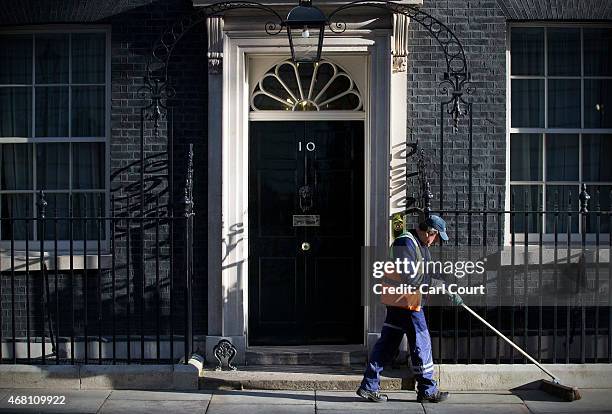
305,246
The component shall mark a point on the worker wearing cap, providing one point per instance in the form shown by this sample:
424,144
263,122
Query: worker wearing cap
409,319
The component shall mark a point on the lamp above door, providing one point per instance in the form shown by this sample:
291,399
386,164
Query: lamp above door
305,25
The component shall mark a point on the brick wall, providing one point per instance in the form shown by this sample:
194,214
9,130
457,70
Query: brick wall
481,28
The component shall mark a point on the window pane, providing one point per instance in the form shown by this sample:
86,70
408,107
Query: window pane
16,58
600,201
527,103
51,58
561,157
88,58
15,167
527,46
597,103
88,205
564,103
88,165
596,150
88,111
598,52
57,206
52,166
13,206
563,51
15,112
526,157
52,112
525,198
558,200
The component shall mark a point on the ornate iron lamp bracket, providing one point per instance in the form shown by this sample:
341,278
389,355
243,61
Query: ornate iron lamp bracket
456,80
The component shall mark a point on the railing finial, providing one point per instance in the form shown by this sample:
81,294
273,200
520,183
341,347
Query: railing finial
584,198
42,204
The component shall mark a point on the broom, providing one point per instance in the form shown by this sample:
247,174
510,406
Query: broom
553,387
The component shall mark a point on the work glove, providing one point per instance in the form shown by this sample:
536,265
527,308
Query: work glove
455,299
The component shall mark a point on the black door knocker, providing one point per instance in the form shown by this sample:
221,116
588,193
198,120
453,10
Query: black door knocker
305,194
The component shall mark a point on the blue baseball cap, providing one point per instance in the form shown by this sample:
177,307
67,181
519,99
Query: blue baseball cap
436,222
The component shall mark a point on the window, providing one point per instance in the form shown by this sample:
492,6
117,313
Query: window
322,86
53,130
560,123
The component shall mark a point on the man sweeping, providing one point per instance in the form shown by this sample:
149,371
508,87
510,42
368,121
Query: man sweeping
405,316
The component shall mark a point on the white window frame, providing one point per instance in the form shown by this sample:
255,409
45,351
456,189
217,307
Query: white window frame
64,245
562,236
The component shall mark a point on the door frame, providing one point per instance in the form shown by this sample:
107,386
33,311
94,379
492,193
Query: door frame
375,47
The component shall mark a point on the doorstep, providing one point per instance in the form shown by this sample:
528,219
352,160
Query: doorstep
342,355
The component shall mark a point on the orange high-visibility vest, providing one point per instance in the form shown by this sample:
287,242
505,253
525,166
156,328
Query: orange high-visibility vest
410,301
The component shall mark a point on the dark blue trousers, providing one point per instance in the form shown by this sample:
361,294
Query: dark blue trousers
397,323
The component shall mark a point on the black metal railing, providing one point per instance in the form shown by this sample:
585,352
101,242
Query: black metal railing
548,284
97,288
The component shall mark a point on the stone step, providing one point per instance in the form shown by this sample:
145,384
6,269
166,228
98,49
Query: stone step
298,377
451,377
344,355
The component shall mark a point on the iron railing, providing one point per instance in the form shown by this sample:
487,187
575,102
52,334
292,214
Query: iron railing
117,289
548,286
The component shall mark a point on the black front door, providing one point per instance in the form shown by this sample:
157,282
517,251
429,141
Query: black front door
305,232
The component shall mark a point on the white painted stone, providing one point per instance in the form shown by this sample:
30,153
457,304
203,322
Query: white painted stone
139,377
185,377
507,376
39,376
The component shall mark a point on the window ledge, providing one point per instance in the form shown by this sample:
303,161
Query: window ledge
80,261
515,256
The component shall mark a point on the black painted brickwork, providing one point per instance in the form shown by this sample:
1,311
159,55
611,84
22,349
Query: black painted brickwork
133,33
481,27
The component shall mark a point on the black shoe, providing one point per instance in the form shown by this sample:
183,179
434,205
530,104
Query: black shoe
373,396
439,396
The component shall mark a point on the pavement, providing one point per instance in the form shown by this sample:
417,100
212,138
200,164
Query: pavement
295,402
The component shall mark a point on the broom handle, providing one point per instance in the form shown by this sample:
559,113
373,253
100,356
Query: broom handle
515,346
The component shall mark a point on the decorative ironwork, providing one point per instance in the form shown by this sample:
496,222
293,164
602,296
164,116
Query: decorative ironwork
584,198
163,48
157,90
456,78
188,191
456,85
306,87
42,204
225,352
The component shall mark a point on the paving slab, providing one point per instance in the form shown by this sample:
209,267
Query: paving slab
447,408
215,408
76,401
348,401
394,410
153,407
593,401
267,397
160,395
483,397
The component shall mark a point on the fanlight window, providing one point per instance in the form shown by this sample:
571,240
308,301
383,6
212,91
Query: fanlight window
321,86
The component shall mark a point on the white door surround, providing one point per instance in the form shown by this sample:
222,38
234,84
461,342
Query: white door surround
228,266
